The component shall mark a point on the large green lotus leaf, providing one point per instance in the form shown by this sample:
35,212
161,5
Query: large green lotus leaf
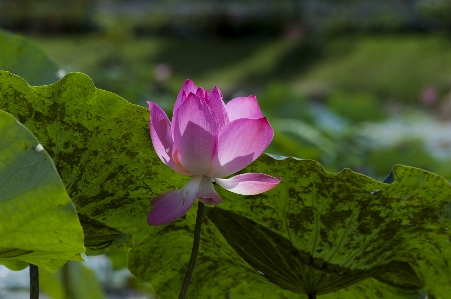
221,272
39,224
317,232
25,59
346,226
100,144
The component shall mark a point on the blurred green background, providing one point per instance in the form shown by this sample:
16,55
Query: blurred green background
350,83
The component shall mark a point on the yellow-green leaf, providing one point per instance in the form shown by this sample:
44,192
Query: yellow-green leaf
38,224
101,147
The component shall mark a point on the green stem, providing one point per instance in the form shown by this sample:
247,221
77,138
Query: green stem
194,251
311,296
34,282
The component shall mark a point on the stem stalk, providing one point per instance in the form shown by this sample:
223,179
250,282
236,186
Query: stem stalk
194,251
34,282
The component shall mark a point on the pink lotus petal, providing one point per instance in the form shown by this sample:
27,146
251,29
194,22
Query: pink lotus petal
249,183
187,87
214,99
240,142
207,192
160,133
173,204
201,93
243,107
195,128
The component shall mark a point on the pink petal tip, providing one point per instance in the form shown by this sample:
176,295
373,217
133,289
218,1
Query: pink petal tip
249,183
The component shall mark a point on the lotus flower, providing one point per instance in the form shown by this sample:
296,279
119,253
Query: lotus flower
208,140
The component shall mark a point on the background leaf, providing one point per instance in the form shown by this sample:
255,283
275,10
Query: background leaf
317,232
101,147
27,60
39,224
73,281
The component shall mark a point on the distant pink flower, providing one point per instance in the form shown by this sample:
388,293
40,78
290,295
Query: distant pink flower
208,140
429,95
